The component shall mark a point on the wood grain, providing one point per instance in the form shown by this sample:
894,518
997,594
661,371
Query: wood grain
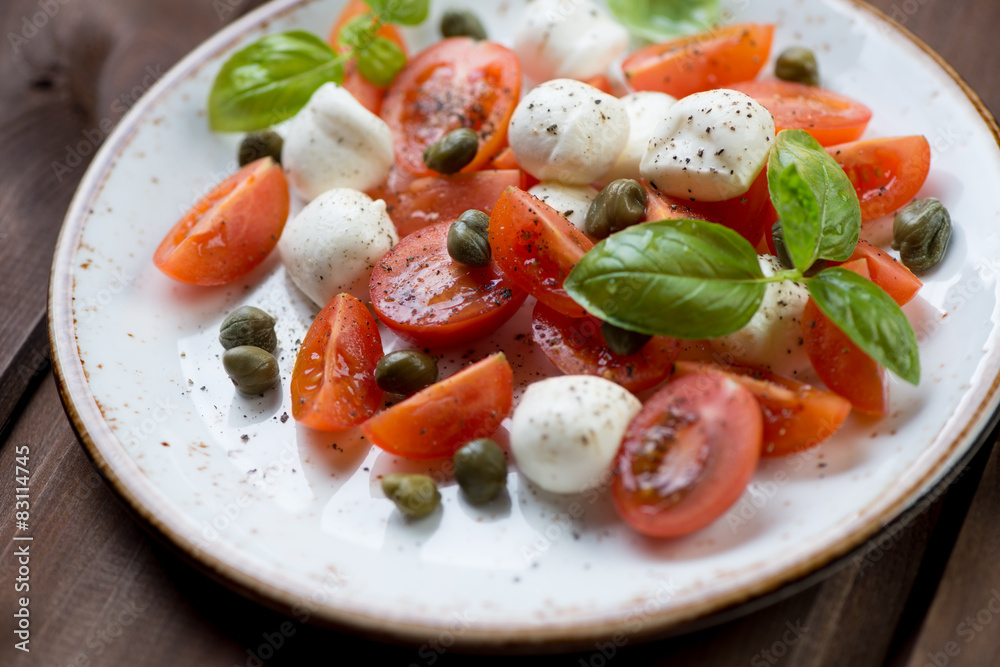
104,593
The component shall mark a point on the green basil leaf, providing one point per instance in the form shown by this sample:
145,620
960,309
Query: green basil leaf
661,20
381,61
403,12
681,278
839,209
358,33
270,81
798,211
870,318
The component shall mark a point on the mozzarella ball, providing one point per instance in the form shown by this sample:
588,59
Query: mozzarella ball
566,431
645,111
335,142
572,39
332,245
772,339
570,200
568,131
710,147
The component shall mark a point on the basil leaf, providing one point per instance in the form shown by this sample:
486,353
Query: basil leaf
839,209
381,61
270,81
661,20
680,278
870,318
403,12
358,32
798,211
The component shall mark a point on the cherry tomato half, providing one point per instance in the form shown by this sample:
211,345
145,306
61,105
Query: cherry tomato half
426,297
575,346
701,62
333,382
797,416
829,117
438,420
687,456
457,82
886,173
537,248
230,230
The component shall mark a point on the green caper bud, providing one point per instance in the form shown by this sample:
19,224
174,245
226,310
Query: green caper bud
469,239
781,252
260,144
248,326
797,64
452,151
619,205
251,369
921,233
406,372
480,470
415,495
622,341
462,23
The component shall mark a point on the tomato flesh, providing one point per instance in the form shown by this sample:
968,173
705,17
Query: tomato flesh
333,382
687,456
888,272
701,62
829,117
438,420
537,248
230,230
575,346
886,173
796,415
426,297
455,83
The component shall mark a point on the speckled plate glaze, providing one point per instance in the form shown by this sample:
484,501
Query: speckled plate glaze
296,518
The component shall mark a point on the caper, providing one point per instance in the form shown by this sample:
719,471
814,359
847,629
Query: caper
415,495
462,23
260,144
921,233
469,239
622,341
480,470
406,372
781,252
248,326
798,64
452,151
251,369
619,205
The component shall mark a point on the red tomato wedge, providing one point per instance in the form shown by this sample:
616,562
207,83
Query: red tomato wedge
887,272
230,230
687,456
575,346
886,173
842,366
333,382
749,215
457,82
829,117
537,248
797,416
431,199
363,90
423,295
701,62
438,420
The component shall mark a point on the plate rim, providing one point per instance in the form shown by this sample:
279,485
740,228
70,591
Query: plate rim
87,420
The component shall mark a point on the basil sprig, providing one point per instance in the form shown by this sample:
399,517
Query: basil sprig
273,78
661,20
692,279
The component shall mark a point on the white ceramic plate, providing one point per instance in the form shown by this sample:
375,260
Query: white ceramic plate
296,517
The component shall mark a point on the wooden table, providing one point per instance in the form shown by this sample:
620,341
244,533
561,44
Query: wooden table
104,593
